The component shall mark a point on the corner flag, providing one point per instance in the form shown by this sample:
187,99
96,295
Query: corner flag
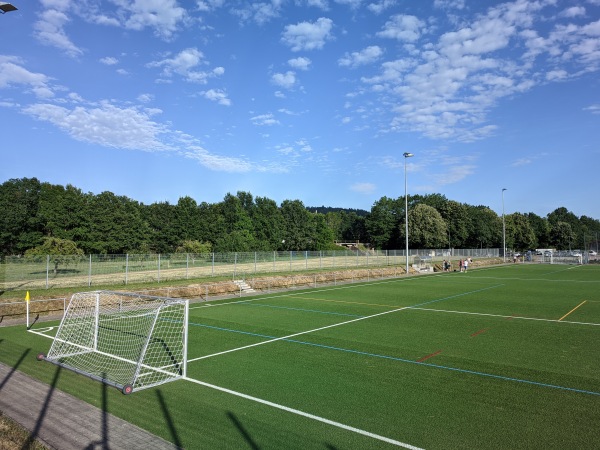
27,297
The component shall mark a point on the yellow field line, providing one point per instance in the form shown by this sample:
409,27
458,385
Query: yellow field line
351,303
572,310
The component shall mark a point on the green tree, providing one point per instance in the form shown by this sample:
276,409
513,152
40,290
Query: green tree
161,224
267,222
60,251
113,224
383,222
519,233
486,227
20,227
194,247
61,211
426,227
297,226
561,235
541,230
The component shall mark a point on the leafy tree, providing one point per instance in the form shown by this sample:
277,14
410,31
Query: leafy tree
561,235
194,247
267,222
61,251
486,227
161,228
187,219
353,227
541,230
519,233
296,226
382,224
20,227
563,215
426,227
113,224
235,241
459,222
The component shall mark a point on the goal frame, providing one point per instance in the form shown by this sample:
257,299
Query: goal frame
162,338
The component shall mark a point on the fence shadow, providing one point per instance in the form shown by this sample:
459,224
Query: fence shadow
169,419
253,445
40,420
13,369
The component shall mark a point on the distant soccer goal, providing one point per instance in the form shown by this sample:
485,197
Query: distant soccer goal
125,340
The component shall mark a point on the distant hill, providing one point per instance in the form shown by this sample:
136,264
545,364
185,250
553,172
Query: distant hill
327,209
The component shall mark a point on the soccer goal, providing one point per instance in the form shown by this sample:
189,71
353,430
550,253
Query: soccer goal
125,340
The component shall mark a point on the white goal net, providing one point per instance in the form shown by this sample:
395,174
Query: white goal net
126,340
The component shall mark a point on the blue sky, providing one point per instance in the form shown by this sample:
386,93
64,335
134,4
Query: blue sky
314,100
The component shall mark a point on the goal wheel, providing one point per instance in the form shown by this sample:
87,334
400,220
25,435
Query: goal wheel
40,357
127,389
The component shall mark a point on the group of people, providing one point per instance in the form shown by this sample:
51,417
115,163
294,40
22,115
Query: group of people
463,265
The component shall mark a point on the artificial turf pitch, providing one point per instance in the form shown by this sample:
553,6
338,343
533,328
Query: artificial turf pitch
503,357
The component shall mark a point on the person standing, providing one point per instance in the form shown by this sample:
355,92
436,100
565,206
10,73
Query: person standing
466,263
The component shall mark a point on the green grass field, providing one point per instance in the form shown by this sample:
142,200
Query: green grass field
503,357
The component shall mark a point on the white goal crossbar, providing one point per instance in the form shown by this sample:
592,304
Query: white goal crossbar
126,340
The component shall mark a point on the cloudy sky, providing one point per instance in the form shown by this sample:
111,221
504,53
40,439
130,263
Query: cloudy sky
311,100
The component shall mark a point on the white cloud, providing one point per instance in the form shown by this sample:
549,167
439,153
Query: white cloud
301,63
12,73
164,16
184,64
306,35
379,7
365,56
264,119
403,28
363,188
49,30
573,11
449,4
285,80
594,109
217,95
259,12
107,125
109,61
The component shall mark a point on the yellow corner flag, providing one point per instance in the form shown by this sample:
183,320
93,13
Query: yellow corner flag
27,296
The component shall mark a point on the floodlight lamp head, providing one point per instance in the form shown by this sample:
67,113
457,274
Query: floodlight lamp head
504,189
408,155
6,7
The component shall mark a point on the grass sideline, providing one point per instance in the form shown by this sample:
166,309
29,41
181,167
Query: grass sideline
497,357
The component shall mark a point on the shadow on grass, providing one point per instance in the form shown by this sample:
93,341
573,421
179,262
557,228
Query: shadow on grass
103,444
169,419
13,369
253,445
40,420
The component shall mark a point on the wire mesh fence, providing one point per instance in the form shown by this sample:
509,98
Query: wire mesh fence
53,271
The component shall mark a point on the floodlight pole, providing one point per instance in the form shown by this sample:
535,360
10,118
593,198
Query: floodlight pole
406,155
503,228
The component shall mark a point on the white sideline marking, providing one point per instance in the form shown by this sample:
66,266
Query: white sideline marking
505,316
307,415
298,334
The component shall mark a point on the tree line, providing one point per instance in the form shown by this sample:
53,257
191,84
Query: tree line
37,215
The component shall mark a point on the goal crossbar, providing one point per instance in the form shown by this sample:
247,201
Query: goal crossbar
126,340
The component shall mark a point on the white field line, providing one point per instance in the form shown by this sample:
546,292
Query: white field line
304,414
506,317
293,294
289,336
268,341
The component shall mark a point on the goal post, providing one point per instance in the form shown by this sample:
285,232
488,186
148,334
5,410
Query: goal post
126,340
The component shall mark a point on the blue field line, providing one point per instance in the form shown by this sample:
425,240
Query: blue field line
303,310
394,358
